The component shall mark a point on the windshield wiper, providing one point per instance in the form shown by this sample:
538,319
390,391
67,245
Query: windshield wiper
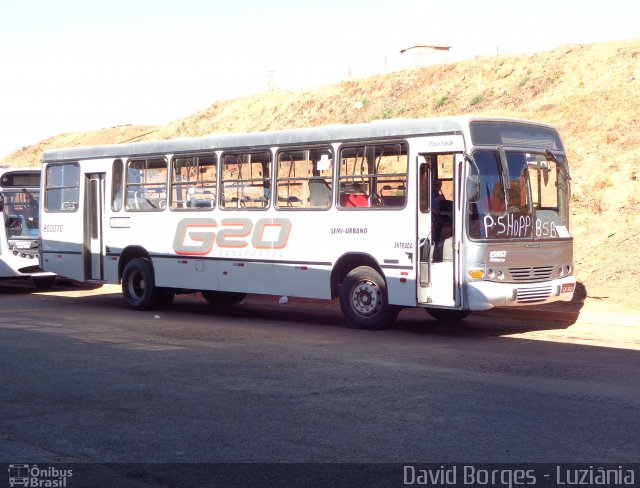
563,165
550,156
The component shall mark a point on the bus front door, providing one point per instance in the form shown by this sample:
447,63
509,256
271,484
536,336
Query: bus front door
437,231
93,240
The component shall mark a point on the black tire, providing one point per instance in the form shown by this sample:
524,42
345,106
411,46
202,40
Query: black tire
364,302
223,297
138,286
43,282
444,315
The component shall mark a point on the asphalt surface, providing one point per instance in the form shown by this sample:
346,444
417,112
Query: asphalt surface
86,380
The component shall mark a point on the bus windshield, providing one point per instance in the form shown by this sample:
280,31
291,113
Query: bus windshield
20,213
518,195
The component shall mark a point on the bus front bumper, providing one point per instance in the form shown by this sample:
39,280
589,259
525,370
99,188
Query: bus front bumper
483,295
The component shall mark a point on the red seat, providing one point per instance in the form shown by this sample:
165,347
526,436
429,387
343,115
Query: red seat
353,200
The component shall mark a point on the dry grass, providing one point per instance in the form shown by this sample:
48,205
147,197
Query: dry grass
591,93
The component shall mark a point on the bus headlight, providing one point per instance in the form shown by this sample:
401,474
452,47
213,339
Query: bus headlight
476,274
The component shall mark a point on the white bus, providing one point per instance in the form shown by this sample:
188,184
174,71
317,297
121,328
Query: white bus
20,232
449,214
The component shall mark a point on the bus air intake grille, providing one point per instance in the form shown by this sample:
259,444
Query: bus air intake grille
533,295
531,275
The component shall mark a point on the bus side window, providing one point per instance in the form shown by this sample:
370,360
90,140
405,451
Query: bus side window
116,185
373,175
193,182
146,184
246,180
62,187
304,178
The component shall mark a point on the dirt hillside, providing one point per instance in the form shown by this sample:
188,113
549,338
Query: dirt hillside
591,93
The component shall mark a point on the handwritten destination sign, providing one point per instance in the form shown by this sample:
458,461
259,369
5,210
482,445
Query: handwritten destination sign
518,226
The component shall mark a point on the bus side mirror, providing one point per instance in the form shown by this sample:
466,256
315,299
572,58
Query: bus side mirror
473,188
1,203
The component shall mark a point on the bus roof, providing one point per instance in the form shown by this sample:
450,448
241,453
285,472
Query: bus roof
322,134
19,169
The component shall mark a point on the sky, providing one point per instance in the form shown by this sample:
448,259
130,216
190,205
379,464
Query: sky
69,65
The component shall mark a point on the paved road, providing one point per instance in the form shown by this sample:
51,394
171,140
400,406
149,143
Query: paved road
85,379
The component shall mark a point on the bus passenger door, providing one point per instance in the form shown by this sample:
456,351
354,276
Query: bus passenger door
436,230
424,232
94,252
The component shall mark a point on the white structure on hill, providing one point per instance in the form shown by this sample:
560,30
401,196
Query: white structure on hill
424,55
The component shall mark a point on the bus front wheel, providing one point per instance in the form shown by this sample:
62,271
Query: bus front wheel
138,287
364,302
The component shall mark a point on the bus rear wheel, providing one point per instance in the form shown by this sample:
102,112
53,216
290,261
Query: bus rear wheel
444,315
364,302
223,297
138,287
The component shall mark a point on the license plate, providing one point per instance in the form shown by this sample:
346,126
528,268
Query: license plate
567,288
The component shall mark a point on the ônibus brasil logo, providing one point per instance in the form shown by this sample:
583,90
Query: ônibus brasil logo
38,477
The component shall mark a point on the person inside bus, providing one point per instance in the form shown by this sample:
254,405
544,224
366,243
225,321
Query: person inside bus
440,218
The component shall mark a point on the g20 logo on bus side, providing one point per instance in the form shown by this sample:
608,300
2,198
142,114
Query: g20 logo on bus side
198,236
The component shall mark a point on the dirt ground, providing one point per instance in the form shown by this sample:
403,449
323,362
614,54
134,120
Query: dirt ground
591,93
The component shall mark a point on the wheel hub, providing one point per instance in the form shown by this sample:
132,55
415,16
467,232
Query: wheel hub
365,298
137,285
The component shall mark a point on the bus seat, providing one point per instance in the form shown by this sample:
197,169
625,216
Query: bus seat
14,225
290,200
353,194
204,199
447,249
443,250
354,200
230,202
262,200
200,203
319,193
132,201
394,200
